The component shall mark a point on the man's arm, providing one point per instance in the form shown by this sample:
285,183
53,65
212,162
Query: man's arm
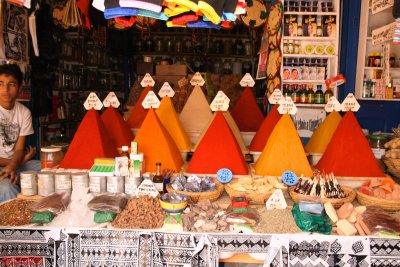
9,170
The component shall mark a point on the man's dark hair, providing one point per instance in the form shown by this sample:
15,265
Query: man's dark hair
12,70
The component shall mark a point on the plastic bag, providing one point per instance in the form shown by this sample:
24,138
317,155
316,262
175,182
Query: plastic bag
103,217
42,217
308,222
249,217
377,220
114,203
54,203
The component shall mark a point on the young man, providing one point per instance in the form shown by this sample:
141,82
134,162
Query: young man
15,125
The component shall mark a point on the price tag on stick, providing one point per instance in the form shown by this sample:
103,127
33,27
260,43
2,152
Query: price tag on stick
147,81
224,175
151,101
287,106
289,178
350,103
166,90
147,188
93,101
220,102
197,79
276,200
333,105
276,97
247,81
111,100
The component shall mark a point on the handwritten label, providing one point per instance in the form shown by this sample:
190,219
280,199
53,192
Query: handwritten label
111,100
380,5
383,34
147,81
247,81
333,105
276,97
92,101
182,82
166,90
290,178
350,103
224,175
385,62
276,200
151,101
147,188
197,79
220,102
287,106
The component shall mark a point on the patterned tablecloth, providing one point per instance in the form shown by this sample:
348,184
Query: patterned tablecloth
72,247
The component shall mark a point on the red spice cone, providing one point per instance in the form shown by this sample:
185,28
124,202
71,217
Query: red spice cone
117,128
136,119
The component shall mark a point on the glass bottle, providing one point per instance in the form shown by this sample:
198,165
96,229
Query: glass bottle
377,59
124,151
300,25
285,47
319,95
295,93
296,47
158,179
290,47
327,95
310,94
227,67
303,94
371,59
319,27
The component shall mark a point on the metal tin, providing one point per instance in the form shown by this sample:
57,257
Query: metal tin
63,182
131,184
98,184
80,179
115,184
45,183
29,183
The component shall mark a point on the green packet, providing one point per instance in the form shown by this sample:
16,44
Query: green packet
314,223
103,217
42,217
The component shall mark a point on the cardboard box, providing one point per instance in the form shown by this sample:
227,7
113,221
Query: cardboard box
171,70
171,79
144,67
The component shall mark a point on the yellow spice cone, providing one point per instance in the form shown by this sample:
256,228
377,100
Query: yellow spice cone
167,115
283,152
323,134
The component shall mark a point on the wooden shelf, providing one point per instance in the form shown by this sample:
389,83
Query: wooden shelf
308,38
303,81
309,56
373,68
334,13
180,33
191,55
379,99
310,105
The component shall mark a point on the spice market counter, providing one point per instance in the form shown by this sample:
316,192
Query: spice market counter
39,246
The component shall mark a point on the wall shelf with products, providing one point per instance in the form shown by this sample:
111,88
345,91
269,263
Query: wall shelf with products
370,84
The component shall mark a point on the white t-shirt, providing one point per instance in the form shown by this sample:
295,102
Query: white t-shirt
13,123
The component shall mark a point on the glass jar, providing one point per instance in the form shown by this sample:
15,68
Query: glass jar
377,143
50,157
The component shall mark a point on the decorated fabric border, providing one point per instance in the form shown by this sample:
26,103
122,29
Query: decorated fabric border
385,252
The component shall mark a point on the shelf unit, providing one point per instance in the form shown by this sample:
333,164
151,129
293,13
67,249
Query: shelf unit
368,22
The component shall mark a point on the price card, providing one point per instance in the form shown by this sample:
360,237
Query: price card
289,178
333,105
276,201
380,5
111,100
151,101
276,97
147,81
147,188
224,175
287,106
92,101
350,103
220,102
166,90
197,79
247,81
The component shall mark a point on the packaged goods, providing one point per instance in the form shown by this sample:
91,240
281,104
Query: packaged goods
375,220
42,217
55,203
114,203
311,222
15,213
103,217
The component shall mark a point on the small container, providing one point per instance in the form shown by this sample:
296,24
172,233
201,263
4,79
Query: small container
50,157
97,184
80,179
63,146
62,182
377,143
45,183
115,184
29,186
131,184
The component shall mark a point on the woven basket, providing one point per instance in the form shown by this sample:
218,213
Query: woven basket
196,196
254,198
392,163
336,202
388,205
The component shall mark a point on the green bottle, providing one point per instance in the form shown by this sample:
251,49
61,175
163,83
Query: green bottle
319,95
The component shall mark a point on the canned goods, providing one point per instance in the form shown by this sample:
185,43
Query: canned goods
97,184
80,179
45,183
131,184
63,182
29,186
115,184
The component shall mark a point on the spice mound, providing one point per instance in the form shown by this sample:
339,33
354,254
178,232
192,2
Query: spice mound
142,212
15,213
276,222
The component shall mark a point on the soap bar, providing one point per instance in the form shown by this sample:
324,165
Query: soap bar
346,227
331,212
353,217
345,210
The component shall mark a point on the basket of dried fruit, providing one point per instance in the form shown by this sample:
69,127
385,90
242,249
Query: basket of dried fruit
384,193
392,156
322,188
257,190
196,188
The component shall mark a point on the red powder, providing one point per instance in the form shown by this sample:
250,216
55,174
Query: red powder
117,128
91,141
348,153
136,119
218,149
260,139
246,112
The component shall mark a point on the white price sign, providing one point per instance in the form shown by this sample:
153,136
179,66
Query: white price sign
151,101
287,106
333,105
247,81
350,103
220,102
197,79
276,97
111,100
92,101
147,188
166,90
276,201
383,34
147,81
380,5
